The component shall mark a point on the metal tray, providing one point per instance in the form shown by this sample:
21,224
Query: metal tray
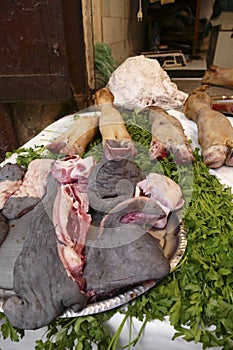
13,243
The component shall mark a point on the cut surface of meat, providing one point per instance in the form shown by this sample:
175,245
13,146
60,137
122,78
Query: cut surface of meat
43,289
168,137
119,149
163,190
11,176
124,254
70,213
137,210
73,168
215,132
31,190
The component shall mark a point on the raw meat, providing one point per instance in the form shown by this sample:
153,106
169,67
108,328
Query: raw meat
70,216
124,254
31,190
77,137
11,176
140,82
117,143
166,192
111,182
218,76
138,210
215,132
168,137
42,288
71,169
4,228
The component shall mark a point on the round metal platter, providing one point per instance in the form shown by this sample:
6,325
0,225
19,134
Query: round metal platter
175,225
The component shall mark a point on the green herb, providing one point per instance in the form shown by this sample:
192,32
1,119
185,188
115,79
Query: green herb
104,63
8,331
198,295
24,156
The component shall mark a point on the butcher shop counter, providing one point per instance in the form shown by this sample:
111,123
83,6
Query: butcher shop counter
157,334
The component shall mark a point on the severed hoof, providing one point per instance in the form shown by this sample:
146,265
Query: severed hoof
229,157
214,156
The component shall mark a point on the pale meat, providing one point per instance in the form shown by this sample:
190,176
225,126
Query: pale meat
117,142
72,169
71,223
168,137
124,254
215,132
11,176
77,137
31,190
218,76
140,82
166,192
139,210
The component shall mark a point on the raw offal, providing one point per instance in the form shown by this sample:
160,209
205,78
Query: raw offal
140,210
166,192
111,182
11,176
71,169
117,143
77,137
218,76
215,132
42,287
31,190
168,137
140,82
124,254
61,265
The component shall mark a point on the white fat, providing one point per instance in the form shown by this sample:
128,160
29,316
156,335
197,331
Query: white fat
140,82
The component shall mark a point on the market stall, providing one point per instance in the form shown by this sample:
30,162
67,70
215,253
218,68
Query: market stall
194,301
116,224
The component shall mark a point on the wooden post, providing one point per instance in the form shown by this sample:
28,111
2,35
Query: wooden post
196,28
8,139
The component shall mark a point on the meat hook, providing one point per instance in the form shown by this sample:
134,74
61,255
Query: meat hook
140,14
